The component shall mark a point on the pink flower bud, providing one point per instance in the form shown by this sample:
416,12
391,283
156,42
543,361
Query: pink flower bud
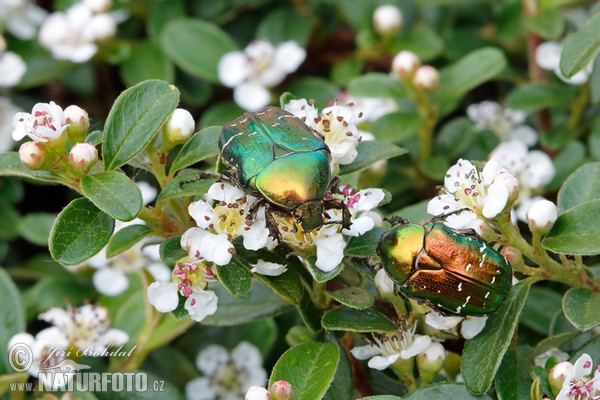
431,360
180,126
512,255
257,393
387,19
427,78
541,216
558,374
79,122
34,155
83,156
282,390
405,64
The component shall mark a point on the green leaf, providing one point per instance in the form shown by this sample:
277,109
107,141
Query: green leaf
11,165
364,245
580,47
440,391
284,24
592,348
483,354
513,380
376,84
581,307
576,231
352,320
200,146
540,308
316,88
538,95
186,184
135,118
13,318
309,368
36,227
130,317
158,389
595,89
80,231
147,61
556,341
9,220
580,187
369,152
234,277
353,297
421,40
259,303
396,127
548,24
469,72
56,291
180,39
42,67
320,275
342,385
125,238
170,250
454,137
114,193
571,157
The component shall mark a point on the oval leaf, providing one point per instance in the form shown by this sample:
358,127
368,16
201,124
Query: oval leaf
580,47
309,368
581,186
80,231
147,62
11,165
369,152
536,96
576,231
125,238
200,146
353,297
13,317
114,193
36,227
441,391
136,116
376,84
483,354
180,39
234,277
349,319
581,307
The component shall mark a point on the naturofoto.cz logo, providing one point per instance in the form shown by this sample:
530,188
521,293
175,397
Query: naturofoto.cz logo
68,375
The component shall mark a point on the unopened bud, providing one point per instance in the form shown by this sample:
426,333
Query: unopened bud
384,284
405,64
541,216
79,122
35,155
558,374
430,361
511,183
512,255
282,390
83,156
257,393
179,127
427,78
387,19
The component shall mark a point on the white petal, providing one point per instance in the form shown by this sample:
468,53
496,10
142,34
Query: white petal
201,304
257,236
200,389
200,243
495,200
246,356
420,343
251,96
471,326
525,134
210,360
492,168
222,191
442,322
115,337
381,363
202,213
547,55
365,352
233,68
330,251
359,226
289,55
149,192
160,272
583,366
163,296
268,268
56,316
369,199
383,282
110,281
539,170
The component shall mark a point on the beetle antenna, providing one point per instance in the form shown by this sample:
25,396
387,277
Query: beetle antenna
446,215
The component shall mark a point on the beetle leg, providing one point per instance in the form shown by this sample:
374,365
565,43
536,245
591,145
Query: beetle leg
396,220
339,205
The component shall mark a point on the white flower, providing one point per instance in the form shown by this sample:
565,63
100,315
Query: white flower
385,350
7,112
256,69
46,123
470,326
227,375
12,68
547,56
22,17
189,280
368,108
337,124
223,215
506,123
359,203
268,268
579,384
387,19
44,350
465,186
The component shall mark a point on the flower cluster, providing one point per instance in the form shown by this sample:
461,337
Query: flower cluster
85,330
74,34
256,69
505,122
226,375
575,381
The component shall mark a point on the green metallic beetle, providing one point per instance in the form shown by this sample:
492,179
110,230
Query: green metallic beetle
453,271
275,156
